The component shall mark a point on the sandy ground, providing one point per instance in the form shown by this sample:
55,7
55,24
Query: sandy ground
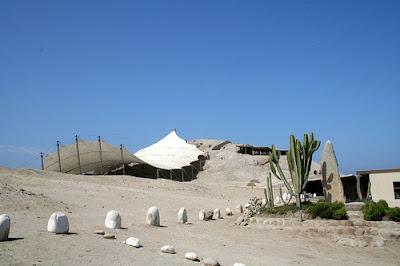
31,196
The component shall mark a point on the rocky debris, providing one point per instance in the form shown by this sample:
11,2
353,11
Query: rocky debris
205,215
168,249
58,223
109,236
210,262
216,214
244,219
182,216
134,242
351,242
99,232
239,208
192,256
228,212
113,220
153,216
354,206
263,203
5,224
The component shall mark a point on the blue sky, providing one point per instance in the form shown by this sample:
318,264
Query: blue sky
248,71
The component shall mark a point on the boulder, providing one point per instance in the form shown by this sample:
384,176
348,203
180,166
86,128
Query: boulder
182,216
153,216
134,242
192,256
228,212
113,220
331,182
205,215
216,214
210,262
58,223
239,208
5,224
168,249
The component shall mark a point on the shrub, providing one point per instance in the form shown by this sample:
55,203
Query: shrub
393,214
327,210
374,211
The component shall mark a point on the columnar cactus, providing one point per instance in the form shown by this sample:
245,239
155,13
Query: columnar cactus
299,158
268,192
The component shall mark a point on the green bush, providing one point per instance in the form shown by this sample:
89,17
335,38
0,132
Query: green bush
327,210
374,211
393,214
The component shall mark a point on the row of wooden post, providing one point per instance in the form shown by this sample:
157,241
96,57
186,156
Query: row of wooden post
79,157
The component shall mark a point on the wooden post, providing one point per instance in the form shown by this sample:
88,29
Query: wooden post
157,173
191,168
77,154
200,166
122,158
59,155
182,175
170,174
41,159
101,155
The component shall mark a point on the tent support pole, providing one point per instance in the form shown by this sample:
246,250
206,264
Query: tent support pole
182,175
59,155
78,155
191,168
41,160
157,173
122,158
170,174
200,166
101,156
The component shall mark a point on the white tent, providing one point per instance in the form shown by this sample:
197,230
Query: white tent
169,153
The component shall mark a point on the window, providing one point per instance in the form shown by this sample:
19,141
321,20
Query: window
396,188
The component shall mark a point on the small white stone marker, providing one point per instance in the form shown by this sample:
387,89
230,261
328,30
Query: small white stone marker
5,224
153,216
210,262
239,208
113,220
228,212
168,249
134,242
239,264
182,216
58,223
192,256
216,214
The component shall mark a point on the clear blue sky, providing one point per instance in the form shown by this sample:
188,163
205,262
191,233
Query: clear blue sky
247,71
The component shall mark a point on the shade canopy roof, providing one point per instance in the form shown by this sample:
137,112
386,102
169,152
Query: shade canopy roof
171,152
90,160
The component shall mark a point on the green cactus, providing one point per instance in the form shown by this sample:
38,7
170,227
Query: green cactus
268,192
299,158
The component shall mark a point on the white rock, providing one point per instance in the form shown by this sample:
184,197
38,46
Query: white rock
216,214
247,205
58,223
134,242
239,264
205,215
228,212
168,249
263,203
192,256
153,216
5,223
239,208
113,220
210,262
182,216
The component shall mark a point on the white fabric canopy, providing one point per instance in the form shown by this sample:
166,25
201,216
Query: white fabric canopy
171,152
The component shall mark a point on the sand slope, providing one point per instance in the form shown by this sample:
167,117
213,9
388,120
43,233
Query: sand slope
86,200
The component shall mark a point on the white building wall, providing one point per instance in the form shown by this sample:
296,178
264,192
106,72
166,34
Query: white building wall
382,187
